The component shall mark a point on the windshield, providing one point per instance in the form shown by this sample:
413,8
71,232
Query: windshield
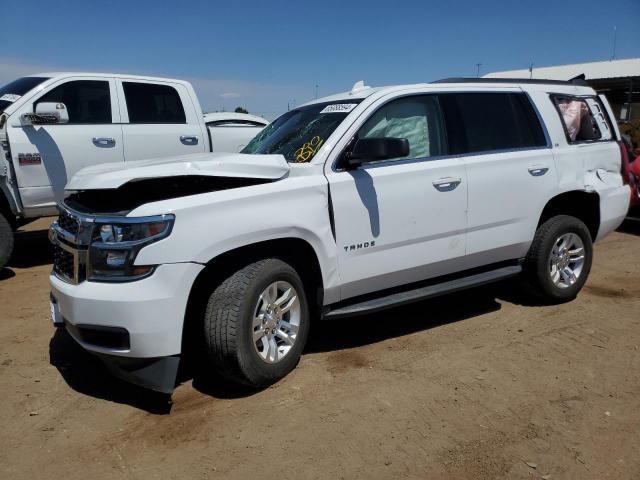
299,133
14,90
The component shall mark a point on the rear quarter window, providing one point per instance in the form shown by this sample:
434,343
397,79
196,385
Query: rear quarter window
583,118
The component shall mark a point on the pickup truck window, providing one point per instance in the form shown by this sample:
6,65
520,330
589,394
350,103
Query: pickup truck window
483,122
150,103
16,89
87,101
416,118
299,134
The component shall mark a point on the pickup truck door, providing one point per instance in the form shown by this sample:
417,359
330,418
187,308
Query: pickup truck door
159,120
45,157
403,220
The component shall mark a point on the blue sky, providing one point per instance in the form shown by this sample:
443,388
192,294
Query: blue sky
265,54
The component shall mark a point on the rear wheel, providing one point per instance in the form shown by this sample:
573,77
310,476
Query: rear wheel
6,240
559,260
256,323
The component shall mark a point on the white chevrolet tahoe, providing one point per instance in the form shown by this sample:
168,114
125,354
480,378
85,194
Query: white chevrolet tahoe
54,124
346,205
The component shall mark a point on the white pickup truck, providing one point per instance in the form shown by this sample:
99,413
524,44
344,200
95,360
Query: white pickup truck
54,124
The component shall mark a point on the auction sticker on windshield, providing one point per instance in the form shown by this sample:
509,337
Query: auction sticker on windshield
339,108
10,97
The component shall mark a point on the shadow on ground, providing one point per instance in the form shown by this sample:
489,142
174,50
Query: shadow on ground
31,249
631,226
86,374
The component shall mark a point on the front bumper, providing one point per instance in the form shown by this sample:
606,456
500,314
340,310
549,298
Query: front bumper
151,310
132,325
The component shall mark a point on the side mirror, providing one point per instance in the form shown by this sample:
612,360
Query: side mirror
372,149
47,113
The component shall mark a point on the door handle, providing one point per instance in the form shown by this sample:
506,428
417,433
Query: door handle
104,141
538,170
447,184
189,139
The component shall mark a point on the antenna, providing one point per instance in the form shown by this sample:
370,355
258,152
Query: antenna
615,38
359,85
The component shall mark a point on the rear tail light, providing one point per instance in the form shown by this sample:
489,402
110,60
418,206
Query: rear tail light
624,161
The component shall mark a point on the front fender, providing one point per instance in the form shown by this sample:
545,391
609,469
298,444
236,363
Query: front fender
211,224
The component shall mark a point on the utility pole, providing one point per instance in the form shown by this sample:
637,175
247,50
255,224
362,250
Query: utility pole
615,38
531,70
478,70
316,92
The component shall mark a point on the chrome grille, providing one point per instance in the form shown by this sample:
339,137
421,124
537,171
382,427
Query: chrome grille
68,223
70,236
64,263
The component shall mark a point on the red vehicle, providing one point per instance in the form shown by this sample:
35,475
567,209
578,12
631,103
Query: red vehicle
631,175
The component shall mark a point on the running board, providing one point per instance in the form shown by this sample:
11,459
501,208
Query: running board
422,293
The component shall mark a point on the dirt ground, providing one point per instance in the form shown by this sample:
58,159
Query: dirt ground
472,386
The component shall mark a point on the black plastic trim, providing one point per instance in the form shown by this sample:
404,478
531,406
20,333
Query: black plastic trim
531,81
411,293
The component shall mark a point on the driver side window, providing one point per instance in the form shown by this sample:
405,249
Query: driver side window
416,118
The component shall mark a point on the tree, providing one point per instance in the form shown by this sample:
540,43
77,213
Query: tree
241,110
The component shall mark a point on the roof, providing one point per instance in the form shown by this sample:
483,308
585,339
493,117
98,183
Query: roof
594,70
108,75
222,116
452,84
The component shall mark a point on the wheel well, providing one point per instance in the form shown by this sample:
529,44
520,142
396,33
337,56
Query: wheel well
297,252
582,205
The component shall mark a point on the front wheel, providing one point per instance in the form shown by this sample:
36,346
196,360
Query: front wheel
559,260
6,240
256,323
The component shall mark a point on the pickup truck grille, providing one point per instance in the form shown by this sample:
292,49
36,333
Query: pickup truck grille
64,263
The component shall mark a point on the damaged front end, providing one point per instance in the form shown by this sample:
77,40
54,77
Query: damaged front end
129,312
118,189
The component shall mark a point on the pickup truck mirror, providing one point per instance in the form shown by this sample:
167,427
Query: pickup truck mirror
47,113
373,149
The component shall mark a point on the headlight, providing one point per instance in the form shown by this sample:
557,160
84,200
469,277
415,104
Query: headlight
115,245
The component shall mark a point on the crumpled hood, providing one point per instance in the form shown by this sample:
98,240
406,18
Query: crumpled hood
234,165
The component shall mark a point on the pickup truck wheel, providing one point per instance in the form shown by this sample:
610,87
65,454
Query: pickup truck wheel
559,259
256,323
6,241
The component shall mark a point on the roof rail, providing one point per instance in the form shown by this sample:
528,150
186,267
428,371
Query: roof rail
573,81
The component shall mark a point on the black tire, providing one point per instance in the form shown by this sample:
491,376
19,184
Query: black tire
537,276
6,241
228,324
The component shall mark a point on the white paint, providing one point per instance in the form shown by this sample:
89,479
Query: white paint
402,227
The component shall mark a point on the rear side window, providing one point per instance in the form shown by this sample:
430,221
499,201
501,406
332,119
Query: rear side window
87,101
483,122
583,119
149,103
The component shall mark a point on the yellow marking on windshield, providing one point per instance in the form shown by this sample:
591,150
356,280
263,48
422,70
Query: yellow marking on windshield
308,150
